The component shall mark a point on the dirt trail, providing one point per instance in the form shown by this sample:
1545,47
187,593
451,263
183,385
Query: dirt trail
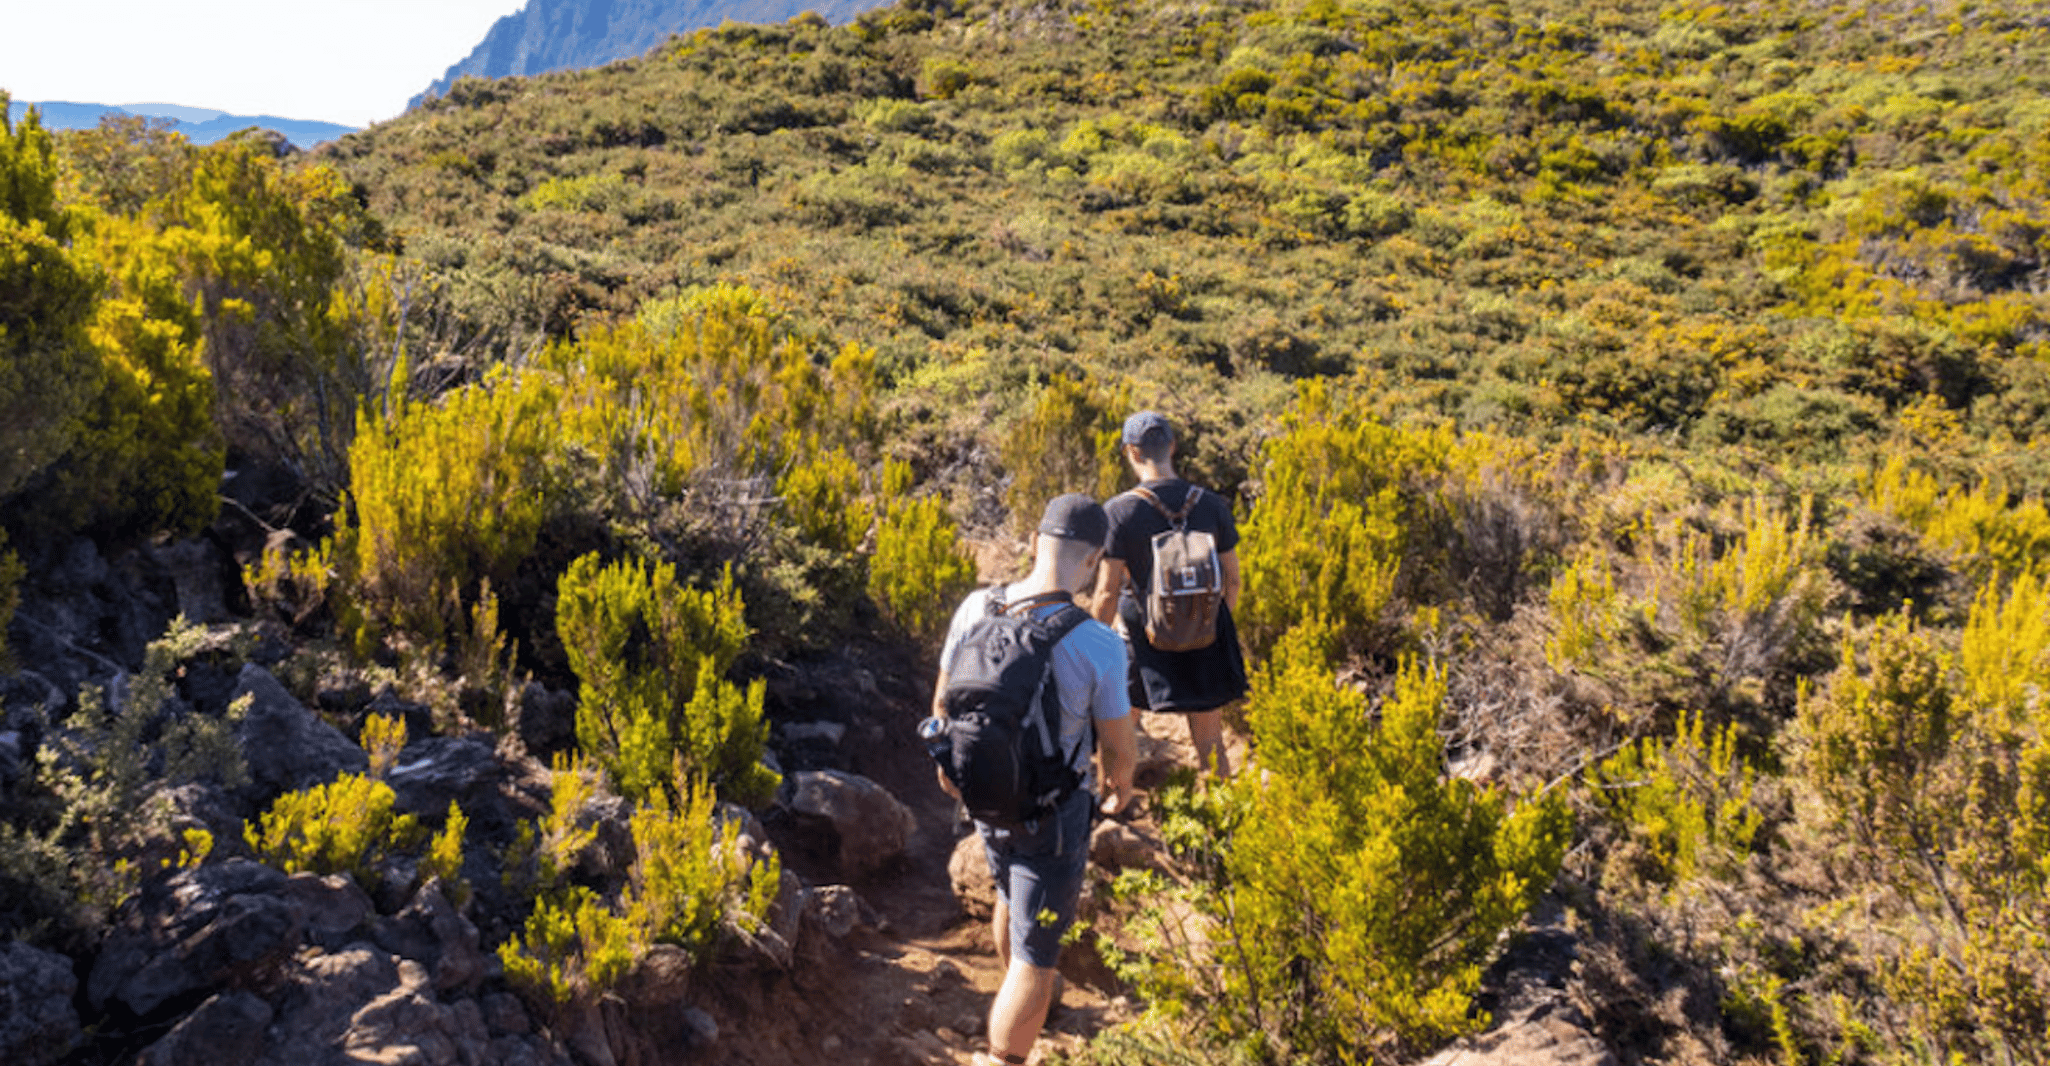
914,989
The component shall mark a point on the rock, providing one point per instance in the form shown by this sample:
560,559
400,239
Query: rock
703,1027
504,1015
418,717
837,910
827,733
194,932
230,1027
430,931
287,745
968,871
320,996
1551,1033
1159,758
872,827
204,581
336,907
1119,846
362,1005
38,1024
434,772
544,719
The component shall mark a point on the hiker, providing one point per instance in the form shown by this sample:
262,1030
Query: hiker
1210,672
1037,840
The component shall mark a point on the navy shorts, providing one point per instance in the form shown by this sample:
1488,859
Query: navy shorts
1038,871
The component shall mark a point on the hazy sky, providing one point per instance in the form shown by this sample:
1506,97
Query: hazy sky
349,61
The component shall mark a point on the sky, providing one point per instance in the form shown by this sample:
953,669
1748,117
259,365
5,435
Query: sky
354,62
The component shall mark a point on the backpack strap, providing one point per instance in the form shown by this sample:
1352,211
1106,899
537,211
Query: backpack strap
1177,519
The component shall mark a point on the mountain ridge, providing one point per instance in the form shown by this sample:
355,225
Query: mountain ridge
551,35
73,115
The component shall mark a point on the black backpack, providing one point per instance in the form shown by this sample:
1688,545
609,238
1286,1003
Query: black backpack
1000,740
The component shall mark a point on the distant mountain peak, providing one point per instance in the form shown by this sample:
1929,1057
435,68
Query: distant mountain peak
549,35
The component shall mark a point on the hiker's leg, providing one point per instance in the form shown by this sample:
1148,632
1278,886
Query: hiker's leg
1000,931
1019,1010
1206,732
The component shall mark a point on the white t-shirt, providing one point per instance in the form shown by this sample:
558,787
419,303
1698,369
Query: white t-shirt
1088,672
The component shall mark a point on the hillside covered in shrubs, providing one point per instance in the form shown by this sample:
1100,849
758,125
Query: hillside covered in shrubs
1632,411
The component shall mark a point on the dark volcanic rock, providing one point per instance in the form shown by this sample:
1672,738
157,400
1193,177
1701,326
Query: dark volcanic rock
38,1024
287,745
193,933
230,1027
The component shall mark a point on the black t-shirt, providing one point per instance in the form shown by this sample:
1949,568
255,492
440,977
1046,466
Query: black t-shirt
1134,523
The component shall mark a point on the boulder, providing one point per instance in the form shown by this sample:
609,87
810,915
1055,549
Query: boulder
205,583
1115,846
1546,1033
837,910
418,717
871,827
968,871
362,1005
287,745
335,907
194,932
230,1027
544,719
430,931
436,771
38,1024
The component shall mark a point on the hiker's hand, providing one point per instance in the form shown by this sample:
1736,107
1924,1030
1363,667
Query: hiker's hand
946,786
1115,799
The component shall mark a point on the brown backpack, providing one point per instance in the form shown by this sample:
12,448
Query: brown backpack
1188,583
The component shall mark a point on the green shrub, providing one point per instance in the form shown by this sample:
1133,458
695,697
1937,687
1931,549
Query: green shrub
651,658
690,882
111,771
48,372
1066,441
919,571
447,496
1684,805
345,826
1342,507
1358,890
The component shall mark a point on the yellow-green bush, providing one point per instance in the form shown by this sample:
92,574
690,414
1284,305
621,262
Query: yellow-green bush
1685,805
822,497
1065,441
689,882
1360,889
47,371
1342,504
1982,528
651,657
1931,765
919,571
345,826
447,495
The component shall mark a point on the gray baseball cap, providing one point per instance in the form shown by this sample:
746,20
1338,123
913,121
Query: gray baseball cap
1075,517
1148,428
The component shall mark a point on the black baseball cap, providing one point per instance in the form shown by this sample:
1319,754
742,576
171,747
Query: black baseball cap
1148,428
1075,517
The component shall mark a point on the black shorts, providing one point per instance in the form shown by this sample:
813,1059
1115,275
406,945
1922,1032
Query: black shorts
1183,681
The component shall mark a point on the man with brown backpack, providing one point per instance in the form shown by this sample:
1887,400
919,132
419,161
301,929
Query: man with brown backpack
1169,582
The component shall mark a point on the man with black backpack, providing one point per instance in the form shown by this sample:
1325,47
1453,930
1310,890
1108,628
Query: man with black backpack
1030,687
1170,582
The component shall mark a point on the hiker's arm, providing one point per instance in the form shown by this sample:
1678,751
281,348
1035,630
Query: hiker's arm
1117,745
1228,569
1110,584
939,710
